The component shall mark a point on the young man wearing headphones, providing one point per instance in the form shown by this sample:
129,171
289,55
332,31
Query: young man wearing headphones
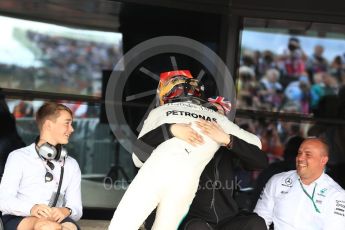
40,188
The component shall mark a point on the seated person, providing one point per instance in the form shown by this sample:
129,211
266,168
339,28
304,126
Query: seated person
169,178
305,198
40,188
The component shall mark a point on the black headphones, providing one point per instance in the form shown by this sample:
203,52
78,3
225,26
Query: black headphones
51,152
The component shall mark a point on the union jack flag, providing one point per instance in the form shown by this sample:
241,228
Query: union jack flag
222,102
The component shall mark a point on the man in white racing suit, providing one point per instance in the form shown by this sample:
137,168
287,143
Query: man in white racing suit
169,178
306,198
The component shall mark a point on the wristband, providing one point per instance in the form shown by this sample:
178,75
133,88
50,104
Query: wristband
70,211
229,145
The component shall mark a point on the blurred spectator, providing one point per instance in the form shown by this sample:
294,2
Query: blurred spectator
316,63
317,90
293,61
331,85
290,107
78,108
288,129
257,56
249,59
336,68
23,109
270,89
9,138
271,143
267,61
299,93
247,88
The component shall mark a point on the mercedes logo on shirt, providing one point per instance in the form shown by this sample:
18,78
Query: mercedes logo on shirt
288,181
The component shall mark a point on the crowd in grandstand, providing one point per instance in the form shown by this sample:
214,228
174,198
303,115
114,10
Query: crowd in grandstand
74,62
68,65
292,81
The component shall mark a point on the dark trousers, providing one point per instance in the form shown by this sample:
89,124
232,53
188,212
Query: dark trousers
11,222
242,221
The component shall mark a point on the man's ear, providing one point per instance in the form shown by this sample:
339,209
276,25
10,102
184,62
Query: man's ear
47,124
324,160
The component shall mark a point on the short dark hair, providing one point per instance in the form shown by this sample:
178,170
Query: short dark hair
50,110
294,39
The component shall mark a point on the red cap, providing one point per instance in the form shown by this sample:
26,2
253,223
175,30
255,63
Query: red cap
167,75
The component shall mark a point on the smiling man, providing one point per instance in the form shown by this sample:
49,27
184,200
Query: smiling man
40,188
305,198
311,160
